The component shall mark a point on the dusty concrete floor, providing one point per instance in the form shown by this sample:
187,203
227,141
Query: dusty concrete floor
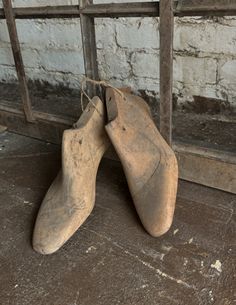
111,259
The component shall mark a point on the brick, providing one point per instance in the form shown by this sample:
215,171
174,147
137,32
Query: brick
66,34
53,33
55,78
7,73
33,34
145,65
227,73
30,57
4,37
56,60
105,34
137,35
205,38
114,64
144,83
6,57
193,70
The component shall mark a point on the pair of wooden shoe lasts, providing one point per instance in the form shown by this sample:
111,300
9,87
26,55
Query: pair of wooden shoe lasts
149,164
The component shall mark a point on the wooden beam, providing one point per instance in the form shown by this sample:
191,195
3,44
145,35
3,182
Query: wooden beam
166,68
205,7
204,166
89,47
47,127
116,10
62,11
208,167
134,9
111,10
11,24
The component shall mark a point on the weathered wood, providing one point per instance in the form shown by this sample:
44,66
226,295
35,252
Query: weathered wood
135,9
166,68
214,169
208,167
204,166
2,128
112,260
62,11
111,10
47,127
89,47
115,10
11,24
205,7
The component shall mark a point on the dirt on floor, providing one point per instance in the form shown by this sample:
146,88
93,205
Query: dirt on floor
209,125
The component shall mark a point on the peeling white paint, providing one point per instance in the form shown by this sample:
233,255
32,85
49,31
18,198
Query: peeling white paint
175,231
157,271
166,248
191,240
91,249
211,295
144,286
217,265
154,254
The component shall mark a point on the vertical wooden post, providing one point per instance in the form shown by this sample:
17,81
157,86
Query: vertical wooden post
166,68
89,46
15,45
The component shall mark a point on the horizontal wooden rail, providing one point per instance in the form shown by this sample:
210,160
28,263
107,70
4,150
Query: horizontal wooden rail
115,10
205,7
209,167
136,9
63,11
48,128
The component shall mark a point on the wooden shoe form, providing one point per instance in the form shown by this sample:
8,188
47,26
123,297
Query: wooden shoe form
70,199
149,163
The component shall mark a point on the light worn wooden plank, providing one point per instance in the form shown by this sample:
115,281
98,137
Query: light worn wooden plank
15,45
207,167
166,68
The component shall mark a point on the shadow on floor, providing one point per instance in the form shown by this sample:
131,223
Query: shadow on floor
111,259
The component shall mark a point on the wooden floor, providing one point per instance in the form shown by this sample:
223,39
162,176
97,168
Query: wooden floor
111,259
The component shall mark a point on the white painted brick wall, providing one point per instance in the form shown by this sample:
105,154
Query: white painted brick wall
128,52
139,34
